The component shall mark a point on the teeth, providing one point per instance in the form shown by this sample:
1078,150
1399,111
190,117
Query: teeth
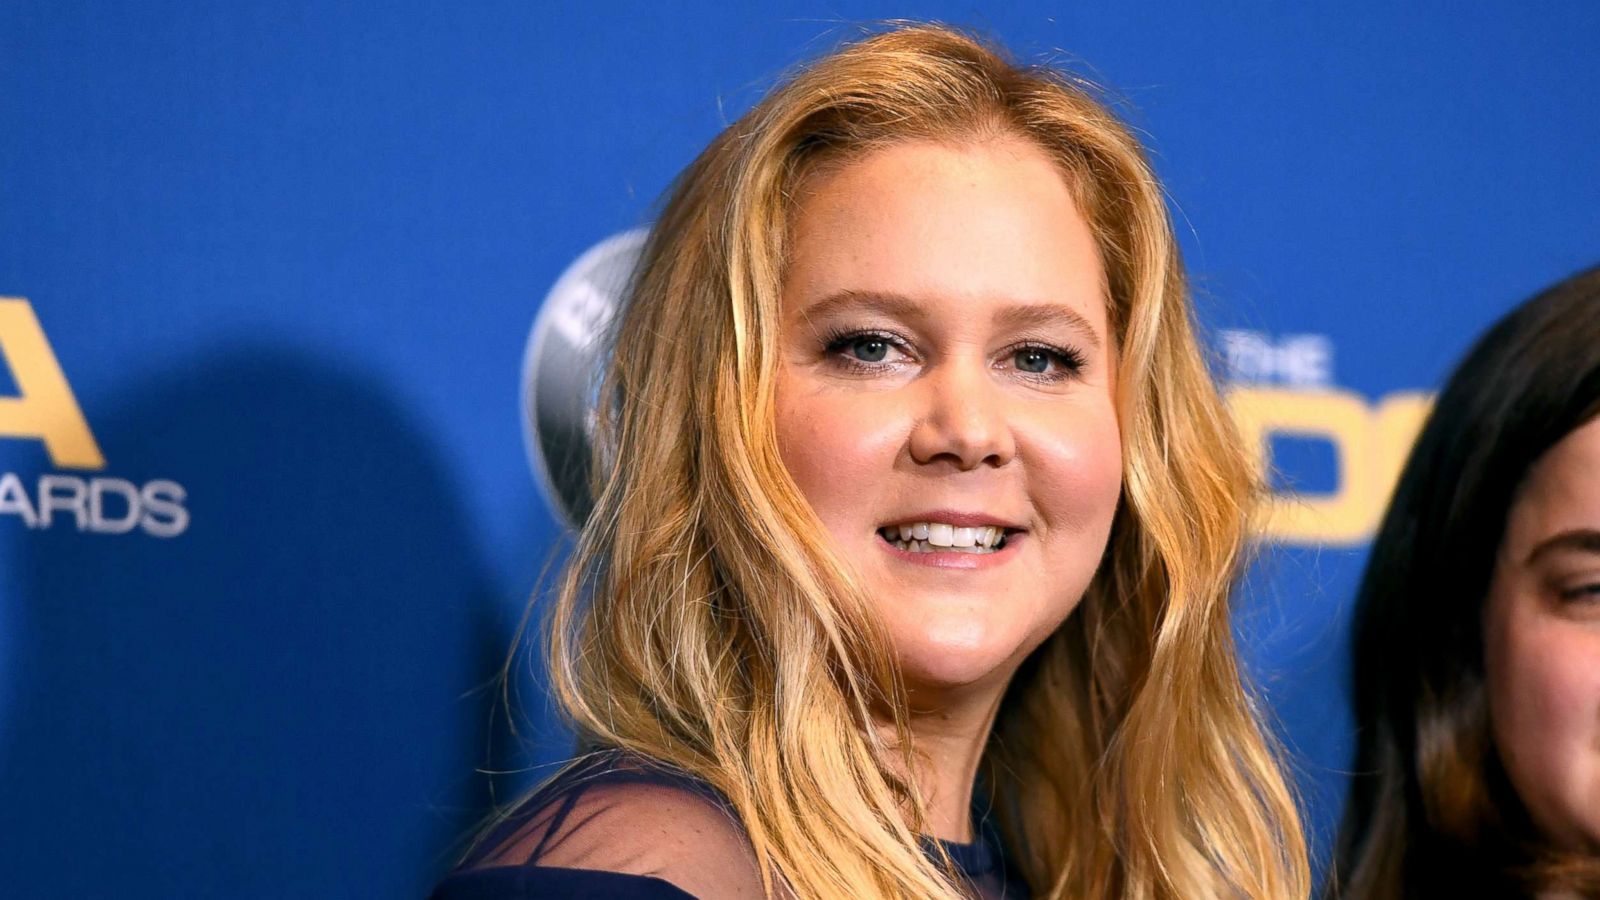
928,537
925,547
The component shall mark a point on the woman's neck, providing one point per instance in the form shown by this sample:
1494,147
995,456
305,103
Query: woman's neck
948,739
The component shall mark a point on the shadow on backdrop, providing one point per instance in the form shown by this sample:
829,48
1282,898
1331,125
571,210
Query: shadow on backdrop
287,698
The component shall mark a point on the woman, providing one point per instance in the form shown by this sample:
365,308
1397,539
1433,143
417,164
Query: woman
917,517
1477,649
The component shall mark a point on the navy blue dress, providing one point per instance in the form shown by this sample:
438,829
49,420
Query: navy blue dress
618,825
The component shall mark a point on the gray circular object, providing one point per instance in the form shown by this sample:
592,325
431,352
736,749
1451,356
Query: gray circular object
560,370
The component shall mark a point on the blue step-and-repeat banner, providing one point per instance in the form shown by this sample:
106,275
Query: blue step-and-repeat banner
268,521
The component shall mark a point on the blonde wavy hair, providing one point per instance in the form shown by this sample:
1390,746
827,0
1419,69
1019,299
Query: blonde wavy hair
700,622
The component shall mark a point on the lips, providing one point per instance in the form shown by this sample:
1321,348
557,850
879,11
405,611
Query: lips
922,553
956,518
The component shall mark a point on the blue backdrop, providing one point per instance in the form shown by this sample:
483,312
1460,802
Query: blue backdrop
267,521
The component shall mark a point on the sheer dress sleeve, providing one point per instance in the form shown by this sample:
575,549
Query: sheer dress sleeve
612,825
619,826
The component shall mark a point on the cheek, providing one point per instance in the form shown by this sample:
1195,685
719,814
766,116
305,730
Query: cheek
1075,470
837,447
1544,684
1551,688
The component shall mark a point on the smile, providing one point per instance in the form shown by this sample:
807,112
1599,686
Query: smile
933,537
948,546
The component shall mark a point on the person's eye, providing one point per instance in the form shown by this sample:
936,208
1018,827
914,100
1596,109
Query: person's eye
1581,593
866,350
1043,362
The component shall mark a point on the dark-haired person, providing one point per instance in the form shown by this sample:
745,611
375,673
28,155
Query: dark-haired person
1477,648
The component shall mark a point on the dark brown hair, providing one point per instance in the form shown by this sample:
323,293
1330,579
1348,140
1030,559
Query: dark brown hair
1431,812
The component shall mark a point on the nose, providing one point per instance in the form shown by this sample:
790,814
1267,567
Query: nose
963,420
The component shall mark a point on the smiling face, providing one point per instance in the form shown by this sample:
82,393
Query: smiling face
947,379
1542,643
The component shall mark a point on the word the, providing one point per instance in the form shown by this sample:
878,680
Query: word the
1300,360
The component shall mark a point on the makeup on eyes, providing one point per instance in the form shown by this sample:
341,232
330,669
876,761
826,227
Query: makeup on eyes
838,343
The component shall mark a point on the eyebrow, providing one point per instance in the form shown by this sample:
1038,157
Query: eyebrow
1021,315
1580,539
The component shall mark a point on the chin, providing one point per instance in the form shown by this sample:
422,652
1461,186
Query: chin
935,669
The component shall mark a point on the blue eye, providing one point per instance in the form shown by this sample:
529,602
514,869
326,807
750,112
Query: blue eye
870,348
864,351
1035,361
1032,359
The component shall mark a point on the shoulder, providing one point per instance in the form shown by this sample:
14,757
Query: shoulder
620,814
529,882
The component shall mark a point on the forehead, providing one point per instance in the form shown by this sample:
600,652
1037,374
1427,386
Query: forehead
1562,489
978,220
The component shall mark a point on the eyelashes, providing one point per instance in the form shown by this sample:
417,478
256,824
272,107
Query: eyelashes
871,351
864,351
1068,360
1588,593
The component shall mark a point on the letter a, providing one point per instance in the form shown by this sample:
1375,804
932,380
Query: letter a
44,409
